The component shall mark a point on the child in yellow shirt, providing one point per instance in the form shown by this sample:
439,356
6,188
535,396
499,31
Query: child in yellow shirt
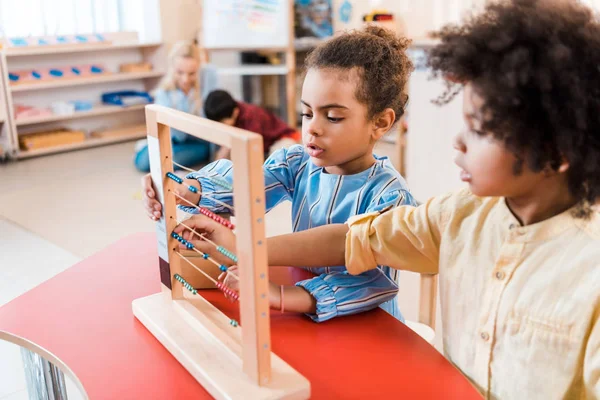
518,252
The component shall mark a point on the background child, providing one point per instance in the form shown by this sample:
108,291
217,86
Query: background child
518,252
220,106
180,89
352,96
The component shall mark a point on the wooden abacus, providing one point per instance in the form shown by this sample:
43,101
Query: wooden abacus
231,362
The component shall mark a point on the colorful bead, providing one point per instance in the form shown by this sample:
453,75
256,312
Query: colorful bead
193,189
215,217
220,182
228,291
223,268
174,177
234,323
174,235
189,245
185,284
227,253
205,256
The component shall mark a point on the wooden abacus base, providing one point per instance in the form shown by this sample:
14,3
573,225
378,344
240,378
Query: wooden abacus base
202,339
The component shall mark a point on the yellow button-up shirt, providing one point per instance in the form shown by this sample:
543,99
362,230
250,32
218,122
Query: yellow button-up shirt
520,304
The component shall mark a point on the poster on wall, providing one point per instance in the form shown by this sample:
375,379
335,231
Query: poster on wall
313,19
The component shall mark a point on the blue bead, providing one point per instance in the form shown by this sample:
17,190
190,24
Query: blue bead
205,256
193,189
189,245
223,268
174,235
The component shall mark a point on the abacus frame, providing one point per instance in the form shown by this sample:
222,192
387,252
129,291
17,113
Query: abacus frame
230,362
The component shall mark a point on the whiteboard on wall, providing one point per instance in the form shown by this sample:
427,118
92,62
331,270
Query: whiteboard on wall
245,24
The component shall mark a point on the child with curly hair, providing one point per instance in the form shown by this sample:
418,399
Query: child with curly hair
518,251
346,109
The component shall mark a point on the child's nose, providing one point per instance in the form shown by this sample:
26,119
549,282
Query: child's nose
458,143
314,128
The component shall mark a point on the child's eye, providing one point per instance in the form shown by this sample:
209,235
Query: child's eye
305,115
334,120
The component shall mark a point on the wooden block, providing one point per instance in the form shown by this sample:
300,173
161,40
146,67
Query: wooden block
41,140
201,338
118,132
135,67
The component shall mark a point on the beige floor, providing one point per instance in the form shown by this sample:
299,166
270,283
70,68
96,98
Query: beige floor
71,205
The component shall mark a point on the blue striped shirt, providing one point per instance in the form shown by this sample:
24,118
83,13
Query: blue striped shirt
319,198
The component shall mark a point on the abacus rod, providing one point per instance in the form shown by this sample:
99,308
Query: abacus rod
199,269
183,167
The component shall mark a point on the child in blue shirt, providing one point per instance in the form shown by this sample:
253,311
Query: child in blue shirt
352,95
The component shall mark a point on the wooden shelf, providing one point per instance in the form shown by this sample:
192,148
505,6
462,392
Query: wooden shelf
99,110
254,70
38,51
92,142
85,81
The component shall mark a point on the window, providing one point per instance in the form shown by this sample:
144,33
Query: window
59,17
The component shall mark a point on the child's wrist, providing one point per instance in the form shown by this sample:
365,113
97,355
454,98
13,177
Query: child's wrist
197,195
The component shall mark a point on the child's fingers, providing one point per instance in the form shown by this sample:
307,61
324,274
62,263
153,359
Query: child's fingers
147,185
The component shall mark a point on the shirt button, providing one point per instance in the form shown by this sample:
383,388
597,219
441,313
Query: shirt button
512,226
485,336
500,275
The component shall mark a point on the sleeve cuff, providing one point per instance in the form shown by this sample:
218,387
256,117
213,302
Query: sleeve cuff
359,255
207,186
323,294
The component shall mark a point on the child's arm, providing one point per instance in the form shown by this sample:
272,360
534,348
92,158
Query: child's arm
339,293
279,172
405,238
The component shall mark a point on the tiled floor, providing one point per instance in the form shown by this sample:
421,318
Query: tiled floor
57,210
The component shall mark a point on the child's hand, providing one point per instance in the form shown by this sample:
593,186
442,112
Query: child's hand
183,191
213,231
152,206
231,280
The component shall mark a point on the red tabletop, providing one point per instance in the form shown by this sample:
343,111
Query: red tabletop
84,317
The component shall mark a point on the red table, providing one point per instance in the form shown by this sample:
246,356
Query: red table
84,317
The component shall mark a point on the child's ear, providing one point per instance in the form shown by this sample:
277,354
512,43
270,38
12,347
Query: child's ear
235,114
564,166
383,122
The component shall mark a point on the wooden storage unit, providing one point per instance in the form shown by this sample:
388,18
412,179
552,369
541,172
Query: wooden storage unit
122,49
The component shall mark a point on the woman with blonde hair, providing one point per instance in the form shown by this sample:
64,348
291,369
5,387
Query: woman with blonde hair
182,89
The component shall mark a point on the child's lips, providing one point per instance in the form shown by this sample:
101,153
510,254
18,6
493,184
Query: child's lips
465,176
314,151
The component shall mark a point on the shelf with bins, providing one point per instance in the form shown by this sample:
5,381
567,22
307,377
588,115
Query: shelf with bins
124,48
88,143
116,77
96,111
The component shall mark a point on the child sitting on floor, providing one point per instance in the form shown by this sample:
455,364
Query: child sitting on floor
220,106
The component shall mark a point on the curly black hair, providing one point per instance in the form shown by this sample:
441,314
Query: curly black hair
536,64
380,57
